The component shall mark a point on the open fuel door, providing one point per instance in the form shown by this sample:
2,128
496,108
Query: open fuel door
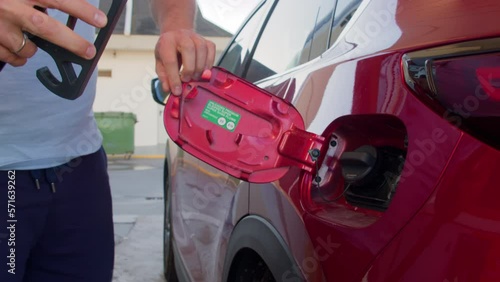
240,129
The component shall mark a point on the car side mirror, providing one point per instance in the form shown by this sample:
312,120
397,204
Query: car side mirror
159,95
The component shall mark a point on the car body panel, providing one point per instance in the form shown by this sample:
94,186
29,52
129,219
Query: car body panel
269,202
456,235
204,211
442,224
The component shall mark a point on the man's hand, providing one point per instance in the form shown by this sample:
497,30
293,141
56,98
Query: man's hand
18,16
182,55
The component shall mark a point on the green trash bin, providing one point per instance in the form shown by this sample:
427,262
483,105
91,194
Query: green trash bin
117,129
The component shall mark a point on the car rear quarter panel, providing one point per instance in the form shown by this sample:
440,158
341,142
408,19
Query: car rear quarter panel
362,74
456,235
338,239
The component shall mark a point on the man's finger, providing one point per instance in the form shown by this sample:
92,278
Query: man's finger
162,76
201,57
188,54
211,49
25,48
48,28
40,24
29,50
166,53
8,57
16,42
80,9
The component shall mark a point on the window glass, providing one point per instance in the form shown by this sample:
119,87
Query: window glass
322,29
343,13
234,58
142,19
286,39
104,5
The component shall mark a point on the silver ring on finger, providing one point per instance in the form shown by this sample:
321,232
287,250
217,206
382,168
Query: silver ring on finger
25,38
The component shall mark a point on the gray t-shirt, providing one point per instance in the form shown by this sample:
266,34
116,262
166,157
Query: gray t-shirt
37,128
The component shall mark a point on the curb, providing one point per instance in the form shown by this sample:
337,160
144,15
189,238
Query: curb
126,157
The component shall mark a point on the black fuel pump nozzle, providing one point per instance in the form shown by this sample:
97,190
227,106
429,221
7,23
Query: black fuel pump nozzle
72,85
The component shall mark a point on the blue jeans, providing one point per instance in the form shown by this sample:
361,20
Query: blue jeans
56,224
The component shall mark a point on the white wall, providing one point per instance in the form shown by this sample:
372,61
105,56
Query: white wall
130,62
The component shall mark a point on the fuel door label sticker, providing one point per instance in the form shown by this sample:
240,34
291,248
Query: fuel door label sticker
220,115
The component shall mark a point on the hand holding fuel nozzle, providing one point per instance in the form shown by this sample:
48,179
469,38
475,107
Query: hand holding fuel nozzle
19,17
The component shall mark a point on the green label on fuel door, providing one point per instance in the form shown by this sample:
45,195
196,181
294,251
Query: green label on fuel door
220,115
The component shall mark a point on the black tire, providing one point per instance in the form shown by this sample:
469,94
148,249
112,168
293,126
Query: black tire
168,254
256,252
251,268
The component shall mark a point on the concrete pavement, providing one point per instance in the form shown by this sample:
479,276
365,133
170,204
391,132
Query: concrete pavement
137,191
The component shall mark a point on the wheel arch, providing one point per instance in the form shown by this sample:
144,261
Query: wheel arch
257,234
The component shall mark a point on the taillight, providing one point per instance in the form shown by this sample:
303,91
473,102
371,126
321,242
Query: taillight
461,82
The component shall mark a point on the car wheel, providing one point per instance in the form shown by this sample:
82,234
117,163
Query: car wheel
251,268
168,255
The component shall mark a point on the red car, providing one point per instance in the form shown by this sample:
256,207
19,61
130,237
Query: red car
392,175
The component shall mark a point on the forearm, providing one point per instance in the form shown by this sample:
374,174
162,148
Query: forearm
173,14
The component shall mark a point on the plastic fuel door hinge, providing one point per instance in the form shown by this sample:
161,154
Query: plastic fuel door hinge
239,128
72,84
